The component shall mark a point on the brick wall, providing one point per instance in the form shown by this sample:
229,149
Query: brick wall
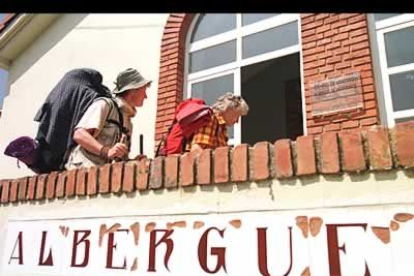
170,82
335,45
350,151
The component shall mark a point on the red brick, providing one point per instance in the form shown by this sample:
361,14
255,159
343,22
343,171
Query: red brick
221,165
308,45
309,59
341,51
357,18
353,159
321,16
313,25
104,177
362,53
129,176
70,183
204,167
315,130
61,184
346,15
240,163
360,61
305,151
14,185
92,183
341,36
307,20
325,54
283,159
40,186
404,134
171,171
330,33
368,121
261,161
323,28
326,69
368,88
31,188
335,59
308,32
379,150
23,188
332,127
359,32
187,166
342,65
339,24
51,185
311,72
349,124
313,51
5,187
359,46
80,183
157,172
329,153
143,174
331,19
333,45
324,41
116,177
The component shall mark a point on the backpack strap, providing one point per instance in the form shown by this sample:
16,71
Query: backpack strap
120,124
164,138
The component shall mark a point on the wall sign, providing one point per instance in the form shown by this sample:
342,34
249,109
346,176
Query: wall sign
340,242
337,95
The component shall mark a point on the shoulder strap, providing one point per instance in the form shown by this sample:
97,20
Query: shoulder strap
112,103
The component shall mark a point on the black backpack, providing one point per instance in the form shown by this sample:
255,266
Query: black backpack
57,117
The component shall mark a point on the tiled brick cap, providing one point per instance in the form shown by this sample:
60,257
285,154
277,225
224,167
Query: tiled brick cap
372,149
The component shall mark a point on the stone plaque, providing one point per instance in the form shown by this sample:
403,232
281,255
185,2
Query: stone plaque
337,95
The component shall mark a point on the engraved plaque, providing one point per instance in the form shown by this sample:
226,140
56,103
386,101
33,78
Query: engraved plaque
337,95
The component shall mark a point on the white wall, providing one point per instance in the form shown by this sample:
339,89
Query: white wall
372,198
109,43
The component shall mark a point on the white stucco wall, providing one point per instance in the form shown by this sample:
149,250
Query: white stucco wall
109,43
372,198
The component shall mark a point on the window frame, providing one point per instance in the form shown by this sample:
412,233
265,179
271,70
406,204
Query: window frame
235,67
383,27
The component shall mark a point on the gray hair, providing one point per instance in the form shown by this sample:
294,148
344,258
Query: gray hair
229,100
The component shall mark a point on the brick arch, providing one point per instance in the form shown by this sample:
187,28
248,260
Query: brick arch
170,85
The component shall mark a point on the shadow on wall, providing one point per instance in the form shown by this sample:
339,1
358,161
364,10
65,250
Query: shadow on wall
32,54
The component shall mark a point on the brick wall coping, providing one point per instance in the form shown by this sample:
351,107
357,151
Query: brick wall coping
353,151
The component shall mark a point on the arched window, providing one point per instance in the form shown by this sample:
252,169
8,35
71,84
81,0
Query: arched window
256,56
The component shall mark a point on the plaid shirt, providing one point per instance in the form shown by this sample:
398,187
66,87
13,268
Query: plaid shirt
212,135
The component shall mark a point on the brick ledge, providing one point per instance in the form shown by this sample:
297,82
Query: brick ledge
355,151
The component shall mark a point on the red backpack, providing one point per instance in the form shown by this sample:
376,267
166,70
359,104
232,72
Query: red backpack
190,115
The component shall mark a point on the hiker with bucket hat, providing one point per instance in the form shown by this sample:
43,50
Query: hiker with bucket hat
104,132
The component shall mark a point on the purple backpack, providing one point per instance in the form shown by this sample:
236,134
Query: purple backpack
25,149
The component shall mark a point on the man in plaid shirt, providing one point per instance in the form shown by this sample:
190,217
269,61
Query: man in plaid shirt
226,112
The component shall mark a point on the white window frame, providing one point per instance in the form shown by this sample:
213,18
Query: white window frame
383,84
235,67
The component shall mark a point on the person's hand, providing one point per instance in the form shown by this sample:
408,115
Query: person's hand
139,157
118,150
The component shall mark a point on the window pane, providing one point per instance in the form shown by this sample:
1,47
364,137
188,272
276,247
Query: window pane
212,24
211,90
213,56
399,46
270,40
402,90
382,16
250,18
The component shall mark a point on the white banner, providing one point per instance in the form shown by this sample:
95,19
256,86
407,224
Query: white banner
331,243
